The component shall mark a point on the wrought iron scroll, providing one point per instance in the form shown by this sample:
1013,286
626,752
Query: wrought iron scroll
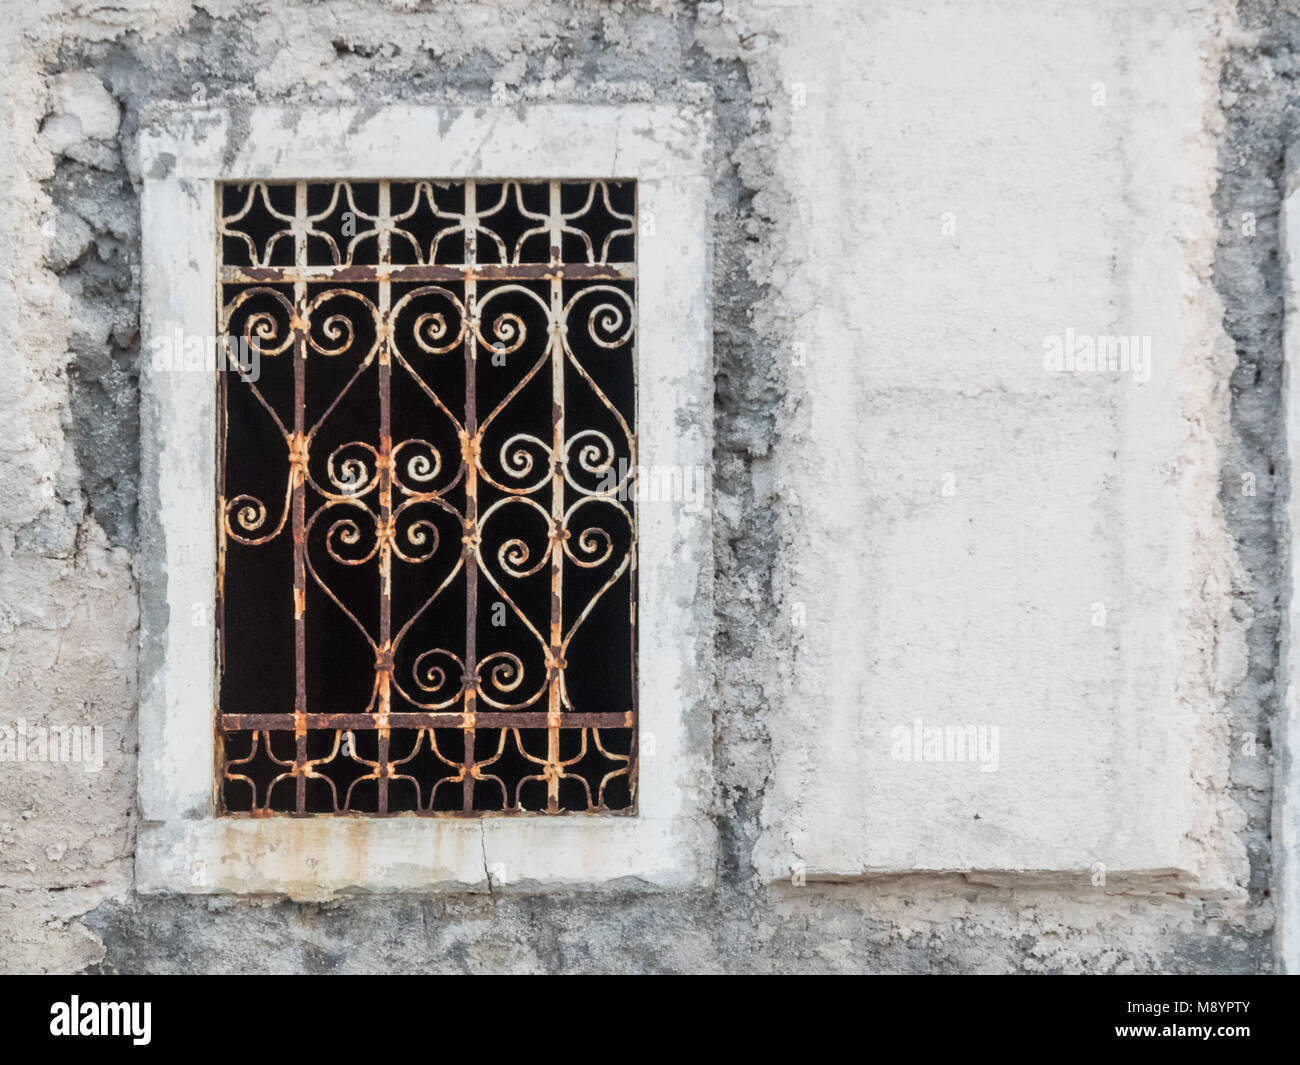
427,529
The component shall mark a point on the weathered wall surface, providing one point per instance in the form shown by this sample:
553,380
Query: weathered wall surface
867,345
1004,569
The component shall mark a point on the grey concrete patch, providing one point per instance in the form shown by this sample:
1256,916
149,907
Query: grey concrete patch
1260,100
96,256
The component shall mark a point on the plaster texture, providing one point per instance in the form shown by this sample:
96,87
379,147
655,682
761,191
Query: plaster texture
911,516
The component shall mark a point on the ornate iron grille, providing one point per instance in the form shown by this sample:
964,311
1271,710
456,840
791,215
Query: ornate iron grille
427,558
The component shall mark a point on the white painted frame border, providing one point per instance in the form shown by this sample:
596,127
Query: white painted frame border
182,846
1286,730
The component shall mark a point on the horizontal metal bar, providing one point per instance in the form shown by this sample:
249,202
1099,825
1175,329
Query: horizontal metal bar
484,719
262,812
275,275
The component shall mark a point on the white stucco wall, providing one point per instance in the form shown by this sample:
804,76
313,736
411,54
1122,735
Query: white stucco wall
1073,154
912,518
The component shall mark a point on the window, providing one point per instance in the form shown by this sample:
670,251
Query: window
427,560
199,170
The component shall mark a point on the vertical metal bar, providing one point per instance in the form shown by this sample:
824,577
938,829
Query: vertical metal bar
298,469
223,399
385,664
223,442
634,748
469,447
555,666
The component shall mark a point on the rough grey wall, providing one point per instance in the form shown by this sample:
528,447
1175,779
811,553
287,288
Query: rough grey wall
378,52
1259,102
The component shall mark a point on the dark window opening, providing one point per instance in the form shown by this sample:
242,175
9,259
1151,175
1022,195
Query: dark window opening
427,557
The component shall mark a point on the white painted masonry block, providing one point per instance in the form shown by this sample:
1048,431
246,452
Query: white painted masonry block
978,541
1287,735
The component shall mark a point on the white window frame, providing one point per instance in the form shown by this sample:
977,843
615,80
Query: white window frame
182,845
1286,729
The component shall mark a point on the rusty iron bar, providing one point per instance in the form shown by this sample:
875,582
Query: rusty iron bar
396,273
555,654
298,472
469,442
384,659
400,720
